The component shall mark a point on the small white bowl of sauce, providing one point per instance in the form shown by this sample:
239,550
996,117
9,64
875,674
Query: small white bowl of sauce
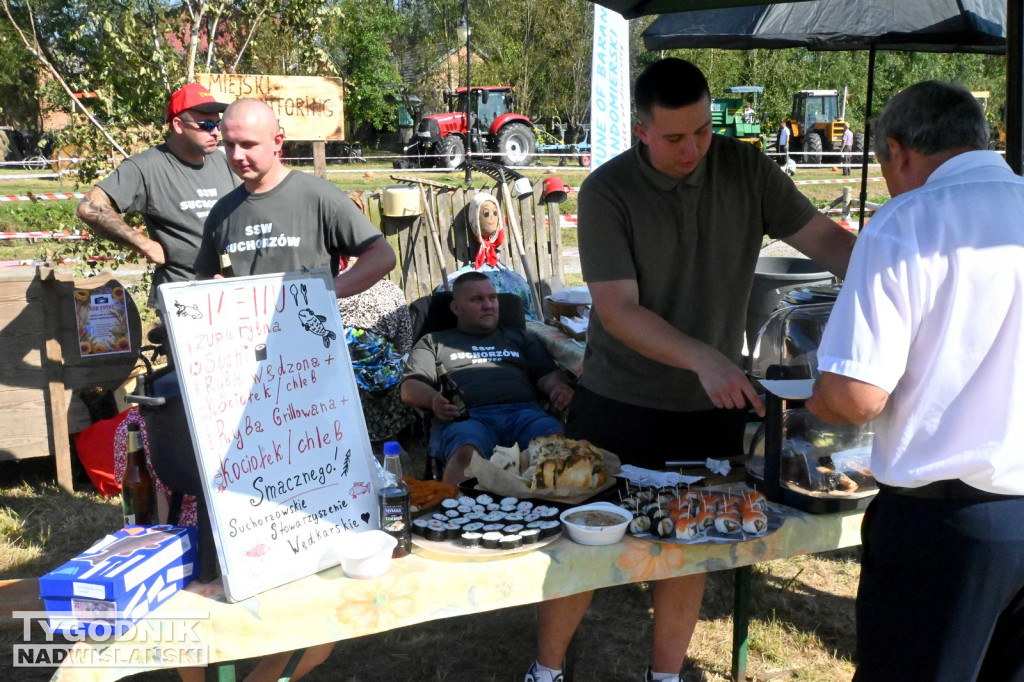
598,523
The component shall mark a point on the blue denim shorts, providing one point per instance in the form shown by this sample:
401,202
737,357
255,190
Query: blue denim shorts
492,425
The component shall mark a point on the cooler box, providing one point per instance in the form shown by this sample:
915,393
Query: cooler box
120,579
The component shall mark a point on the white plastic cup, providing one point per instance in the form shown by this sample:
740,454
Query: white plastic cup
365,555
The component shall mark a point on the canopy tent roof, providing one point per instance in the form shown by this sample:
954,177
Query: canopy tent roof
631,9
919,25
1013,14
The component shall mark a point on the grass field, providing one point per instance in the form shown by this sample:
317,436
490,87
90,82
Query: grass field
802,608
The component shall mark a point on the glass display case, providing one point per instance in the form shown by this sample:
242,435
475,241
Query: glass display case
789,341
794,457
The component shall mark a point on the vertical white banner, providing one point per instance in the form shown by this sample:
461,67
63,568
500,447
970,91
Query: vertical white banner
609,87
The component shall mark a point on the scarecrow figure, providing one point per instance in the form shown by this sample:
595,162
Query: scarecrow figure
486,225
488,229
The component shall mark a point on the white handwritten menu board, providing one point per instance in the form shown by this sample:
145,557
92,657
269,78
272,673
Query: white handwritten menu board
276,422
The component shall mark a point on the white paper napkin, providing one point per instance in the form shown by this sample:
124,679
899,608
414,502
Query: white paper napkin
577,324
655,479
577,295
719,466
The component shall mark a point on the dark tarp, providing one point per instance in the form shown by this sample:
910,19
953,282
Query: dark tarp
1014,22
919,25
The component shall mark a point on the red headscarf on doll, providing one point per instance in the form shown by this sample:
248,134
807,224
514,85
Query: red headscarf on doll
486,225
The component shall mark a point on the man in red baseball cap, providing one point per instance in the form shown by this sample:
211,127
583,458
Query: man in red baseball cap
172,185
193,96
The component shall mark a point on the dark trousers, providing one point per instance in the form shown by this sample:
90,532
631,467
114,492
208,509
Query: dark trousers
647,437
941,595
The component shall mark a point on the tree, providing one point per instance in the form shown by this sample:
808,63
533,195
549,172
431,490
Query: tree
19,106
362,52
134,53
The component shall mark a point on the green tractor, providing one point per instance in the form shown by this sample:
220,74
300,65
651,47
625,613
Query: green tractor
730,117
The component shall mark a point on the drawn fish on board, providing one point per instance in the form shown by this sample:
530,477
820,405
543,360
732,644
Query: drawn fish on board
358,488
314,324
187,310
257,551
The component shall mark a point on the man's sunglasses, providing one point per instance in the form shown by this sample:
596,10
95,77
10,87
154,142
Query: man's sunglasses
205,126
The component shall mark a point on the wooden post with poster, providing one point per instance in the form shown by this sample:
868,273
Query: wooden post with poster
275,420
308,107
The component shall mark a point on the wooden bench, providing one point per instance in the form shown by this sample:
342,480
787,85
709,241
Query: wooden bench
42,366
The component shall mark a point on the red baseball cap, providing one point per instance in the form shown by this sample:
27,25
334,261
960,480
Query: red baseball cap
193,96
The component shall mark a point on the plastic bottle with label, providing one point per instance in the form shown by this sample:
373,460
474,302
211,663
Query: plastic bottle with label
393,501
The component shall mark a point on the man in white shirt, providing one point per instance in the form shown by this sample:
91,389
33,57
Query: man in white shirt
927,339
783,143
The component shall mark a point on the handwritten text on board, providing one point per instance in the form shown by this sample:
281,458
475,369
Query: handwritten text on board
276,418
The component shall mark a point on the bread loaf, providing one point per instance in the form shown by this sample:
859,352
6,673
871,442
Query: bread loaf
557,462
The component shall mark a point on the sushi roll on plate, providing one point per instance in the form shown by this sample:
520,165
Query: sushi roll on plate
491,540
513,541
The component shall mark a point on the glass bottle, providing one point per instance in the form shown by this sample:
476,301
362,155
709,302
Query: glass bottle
394,501
138,496
226,269
451,392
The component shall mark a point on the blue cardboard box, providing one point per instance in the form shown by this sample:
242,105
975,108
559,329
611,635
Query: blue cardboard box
120,579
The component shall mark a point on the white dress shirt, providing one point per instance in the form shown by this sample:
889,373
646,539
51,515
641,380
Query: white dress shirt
932,311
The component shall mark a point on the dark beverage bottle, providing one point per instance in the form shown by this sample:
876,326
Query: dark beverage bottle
226,269
138,496
451,391
394,502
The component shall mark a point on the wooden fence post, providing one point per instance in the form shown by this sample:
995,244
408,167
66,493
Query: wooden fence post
320,159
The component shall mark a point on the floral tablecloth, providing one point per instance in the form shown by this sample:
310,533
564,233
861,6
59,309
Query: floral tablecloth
566,352
328,606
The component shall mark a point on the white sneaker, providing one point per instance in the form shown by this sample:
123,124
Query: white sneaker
535,675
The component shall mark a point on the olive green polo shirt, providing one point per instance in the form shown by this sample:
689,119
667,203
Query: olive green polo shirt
692,246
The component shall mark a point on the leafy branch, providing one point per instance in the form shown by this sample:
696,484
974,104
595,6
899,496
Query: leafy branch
36,51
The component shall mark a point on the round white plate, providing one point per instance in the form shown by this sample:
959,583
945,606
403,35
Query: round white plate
454,548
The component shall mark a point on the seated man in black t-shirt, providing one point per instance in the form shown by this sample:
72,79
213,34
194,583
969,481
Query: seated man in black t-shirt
499,370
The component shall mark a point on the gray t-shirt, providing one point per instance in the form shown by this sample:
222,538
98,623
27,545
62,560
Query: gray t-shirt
305,221
692,246
502,367
174,198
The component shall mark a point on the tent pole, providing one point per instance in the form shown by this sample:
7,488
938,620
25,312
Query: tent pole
867,136
1014,85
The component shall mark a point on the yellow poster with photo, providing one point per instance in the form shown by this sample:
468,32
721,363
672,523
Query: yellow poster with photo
102,316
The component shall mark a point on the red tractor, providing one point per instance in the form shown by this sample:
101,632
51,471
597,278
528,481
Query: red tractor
442,139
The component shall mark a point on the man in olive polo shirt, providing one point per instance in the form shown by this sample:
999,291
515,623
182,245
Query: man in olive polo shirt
669,235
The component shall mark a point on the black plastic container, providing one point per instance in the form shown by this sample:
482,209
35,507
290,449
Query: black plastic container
173,458
773,273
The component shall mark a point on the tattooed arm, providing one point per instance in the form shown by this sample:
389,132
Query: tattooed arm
97,211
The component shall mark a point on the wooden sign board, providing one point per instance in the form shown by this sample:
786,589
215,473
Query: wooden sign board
275,420
307,107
